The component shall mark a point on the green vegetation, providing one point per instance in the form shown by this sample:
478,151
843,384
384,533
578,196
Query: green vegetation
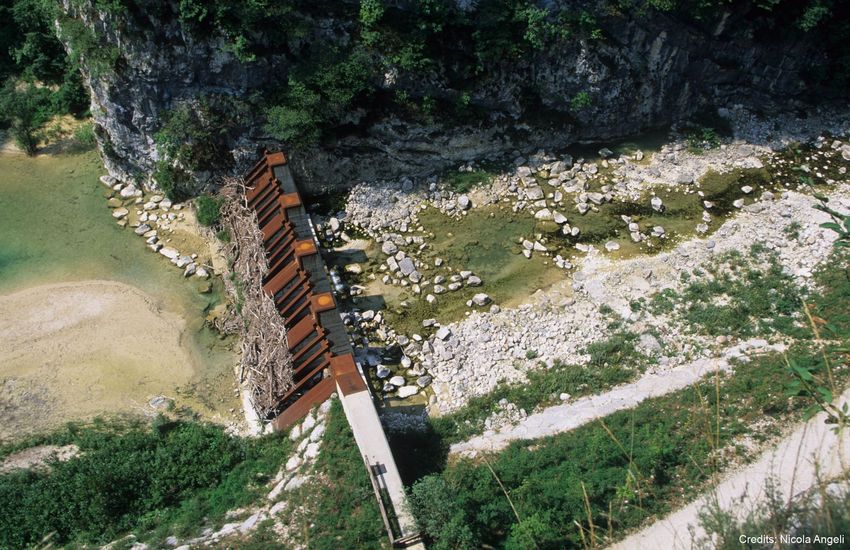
208,209
40,80
84,134
613,361
580,101
738,296
192,138
171,477
635,465
640,463
463,182
700,139
840,223
823,511
340,506
26,109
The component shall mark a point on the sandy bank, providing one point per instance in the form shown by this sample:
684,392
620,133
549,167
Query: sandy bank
76,350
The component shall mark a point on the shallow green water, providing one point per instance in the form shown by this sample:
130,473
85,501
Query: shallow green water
55,227
487,246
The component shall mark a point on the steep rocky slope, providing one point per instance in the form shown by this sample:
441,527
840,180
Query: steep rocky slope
628,73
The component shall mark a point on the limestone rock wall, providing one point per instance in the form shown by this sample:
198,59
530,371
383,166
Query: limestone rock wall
645,73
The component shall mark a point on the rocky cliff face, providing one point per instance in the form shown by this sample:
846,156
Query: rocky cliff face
645,73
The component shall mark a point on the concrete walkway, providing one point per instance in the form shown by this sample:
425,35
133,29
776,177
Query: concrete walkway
373,445
563,418
811,451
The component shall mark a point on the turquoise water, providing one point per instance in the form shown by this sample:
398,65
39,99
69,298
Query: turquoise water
55,227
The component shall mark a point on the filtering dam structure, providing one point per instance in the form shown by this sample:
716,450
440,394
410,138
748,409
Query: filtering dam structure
322,357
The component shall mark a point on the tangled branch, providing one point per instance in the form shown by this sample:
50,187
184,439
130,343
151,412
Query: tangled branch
266,364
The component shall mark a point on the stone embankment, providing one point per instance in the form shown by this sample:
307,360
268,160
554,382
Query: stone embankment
154,218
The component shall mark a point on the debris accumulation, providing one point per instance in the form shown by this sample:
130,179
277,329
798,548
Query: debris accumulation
266,363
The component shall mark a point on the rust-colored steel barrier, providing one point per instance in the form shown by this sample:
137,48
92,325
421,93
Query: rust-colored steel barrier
300,288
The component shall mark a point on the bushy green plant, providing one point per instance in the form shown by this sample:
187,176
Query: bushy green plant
84,134
700,139
580,101
195,136
134,477
840,223
208,209
25,108
297,120
175,182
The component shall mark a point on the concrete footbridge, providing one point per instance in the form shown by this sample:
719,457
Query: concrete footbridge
322,358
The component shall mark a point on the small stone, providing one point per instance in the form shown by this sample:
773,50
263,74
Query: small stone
382,371
406,266
407,391
481,299
473,281
119,213
389,248
463,202
657,204
397,380
443,333
611,246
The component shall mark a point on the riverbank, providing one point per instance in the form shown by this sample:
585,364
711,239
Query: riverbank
73,351
59,241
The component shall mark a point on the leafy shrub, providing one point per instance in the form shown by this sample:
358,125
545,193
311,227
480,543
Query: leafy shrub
25,109
297,120
581,101
195,136
463,182
700,139
133,477
84,134
208,209
174,182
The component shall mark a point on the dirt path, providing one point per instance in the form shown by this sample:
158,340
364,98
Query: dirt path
563,418
76,350
812,451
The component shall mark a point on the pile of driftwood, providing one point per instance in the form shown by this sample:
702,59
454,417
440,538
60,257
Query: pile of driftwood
266,361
